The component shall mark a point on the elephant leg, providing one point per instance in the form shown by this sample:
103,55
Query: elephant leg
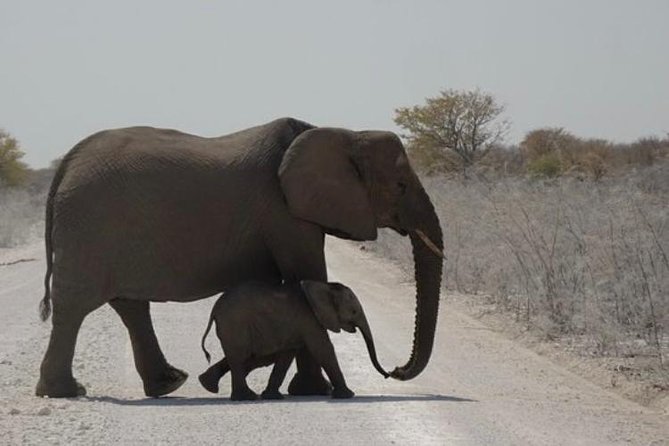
324,352
158,376
240,389
308,380
210,378
277,376
305,261
56,380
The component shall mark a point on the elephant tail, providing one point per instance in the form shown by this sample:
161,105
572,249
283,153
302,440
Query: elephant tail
45,304
206,332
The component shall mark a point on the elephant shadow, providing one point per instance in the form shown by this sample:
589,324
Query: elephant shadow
361,399
214,401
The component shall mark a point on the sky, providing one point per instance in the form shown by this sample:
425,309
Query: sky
68,68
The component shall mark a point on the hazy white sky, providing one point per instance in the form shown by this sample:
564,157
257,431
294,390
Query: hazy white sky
599,68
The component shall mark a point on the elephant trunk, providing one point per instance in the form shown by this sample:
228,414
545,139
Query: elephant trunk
371,349
427,244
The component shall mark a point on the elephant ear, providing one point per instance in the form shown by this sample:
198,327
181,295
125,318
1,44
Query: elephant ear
318,296
323,184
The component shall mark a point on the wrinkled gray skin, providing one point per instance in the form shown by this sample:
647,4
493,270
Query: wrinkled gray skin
251,325
141,214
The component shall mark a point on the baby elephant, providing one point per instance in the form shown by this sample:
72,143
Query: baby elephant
260,324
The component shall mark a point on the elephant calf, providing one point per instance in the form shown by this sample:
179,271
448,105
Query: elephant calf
260,324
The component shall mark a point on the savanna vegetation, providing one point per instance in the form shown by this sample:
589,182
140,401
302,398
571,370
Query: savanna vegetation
568,235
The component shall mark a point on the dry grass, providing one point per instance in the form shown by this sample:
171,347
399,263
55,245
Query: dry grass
580,260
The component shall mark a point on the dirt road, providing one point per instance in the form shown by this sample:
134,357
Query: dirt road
478,389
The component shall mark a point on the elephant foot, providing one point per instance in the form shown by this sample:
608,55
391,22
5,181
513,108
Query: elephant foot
271,395
209,382
306,385
167,382
64,388
243,395
342,393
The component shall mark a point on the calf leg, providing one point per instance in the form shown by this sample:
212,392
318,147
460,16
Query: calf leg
240,390
277,376
210,378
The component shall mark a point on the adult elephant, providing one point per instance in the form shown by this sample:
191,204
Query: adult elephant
141,214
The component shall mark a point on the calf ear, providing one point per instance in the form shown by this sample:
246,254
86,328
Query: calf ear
320,299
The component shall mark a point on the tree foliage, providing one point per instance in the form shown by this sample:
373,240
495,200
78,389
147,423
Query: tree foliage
13,171
452,130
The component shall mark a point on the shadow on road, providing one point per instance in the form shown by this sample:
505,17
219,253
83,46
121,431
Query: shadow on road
396,398
210,401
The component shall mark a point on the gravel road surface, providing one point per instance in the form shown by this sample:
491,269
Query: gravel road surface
479,388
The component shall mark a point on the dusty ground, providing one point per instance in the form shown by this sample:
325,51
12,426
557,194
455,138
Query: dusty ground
637,378
480,387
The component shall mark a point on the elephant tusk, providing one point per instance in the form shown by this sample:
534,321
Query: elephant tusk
430,244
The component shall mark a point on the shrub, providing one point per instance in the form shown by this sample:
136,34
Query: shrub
548,165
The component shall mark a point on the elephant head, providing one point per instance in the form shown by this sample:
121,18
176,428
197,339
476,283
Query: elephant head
337,308
351,183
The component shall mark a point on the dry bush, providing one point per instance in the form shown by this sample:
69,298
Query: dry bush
568,257
594,157
547,141
499,160
431,161
21,216
551,152
22,209
643,152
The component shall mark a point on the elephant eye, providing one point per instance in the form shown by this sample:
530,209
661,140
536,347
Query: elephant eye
402,187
